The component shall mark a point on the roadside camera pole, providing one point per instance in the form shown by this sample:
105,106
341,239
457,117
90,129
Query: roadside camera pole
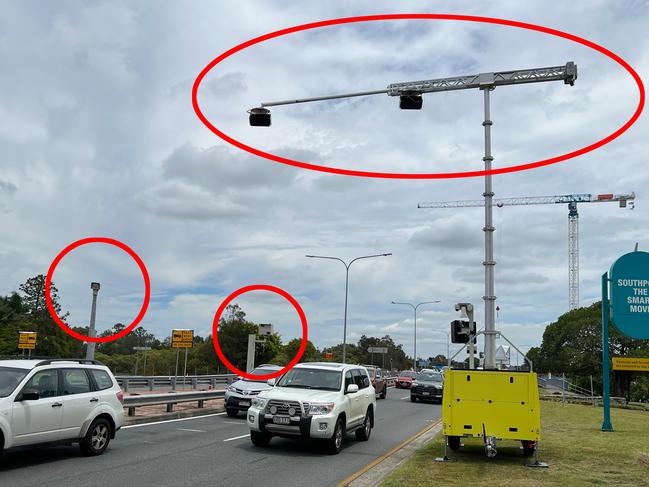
410,98
90,348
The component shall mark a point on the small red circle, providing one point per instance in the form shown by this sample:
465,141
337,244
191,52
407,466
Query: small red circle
79,243
259,287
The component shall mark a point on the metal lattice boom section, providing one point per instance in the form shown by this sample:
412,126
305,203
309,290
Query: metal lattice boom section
566,73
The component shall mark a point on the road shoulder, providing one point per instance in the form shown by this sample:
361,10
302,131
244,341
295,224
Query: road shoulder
373,474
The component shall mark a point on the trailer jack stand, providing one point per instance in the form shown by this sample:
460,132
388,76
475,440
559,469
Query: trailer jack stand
490,446
536,463
445,458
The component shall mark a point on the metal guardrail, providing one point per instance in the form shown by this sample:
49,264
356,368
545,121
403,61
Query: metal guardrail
128,382
169,399
132,402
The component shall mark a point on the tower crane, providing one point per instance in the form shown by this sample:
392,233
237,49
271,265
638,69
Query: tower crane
573,222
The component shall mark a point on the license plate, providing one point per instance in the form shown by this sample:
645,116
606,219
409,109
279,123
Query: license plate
244,403
426,393
282,420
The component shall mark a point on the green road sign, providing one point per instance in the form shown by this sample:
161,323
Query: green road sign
629,279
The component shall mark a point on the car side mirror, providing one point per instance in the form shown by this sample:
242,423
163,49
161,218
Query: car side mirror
271,382
29,395
351,388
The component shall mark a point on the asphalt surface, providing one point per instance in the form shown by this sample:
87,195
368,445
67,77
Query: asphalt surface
214,450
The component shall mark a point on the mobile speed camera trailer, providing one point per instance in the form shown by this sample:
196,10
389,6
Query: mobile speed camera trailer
489,398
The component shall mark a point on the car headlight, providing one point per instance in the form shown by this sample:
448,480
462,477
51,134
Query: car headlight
258,402
318,408
231,389
414,383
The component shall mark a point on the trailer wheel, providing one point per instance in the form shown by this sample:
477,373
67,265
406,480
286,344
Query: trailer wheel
453,442
528,448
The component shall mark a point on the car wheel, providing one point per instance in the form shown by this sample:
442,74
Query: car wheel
453,442
97,438
335,443
363,434
259,438
2,444
413,398
384,392
233,413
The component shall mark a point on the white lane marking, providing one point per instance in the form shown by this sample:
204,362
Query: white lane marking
190,430
242,423
170,421
238,437
402,398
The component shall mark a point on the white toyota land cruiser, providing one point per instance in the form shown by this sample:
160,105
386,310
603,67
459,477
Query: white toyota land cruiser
315,400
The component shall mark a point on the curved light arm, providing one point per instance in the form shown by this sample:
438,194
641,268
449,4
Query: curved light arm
352,261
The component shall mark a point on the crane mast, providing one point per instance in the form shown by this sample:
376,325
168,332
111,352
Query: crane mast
573,222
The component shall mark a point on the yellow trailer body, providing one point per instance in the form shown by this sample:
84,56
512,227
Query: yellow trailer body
498,404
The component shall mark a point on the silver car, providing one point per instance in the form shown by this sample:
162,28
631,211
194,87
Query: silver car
240,393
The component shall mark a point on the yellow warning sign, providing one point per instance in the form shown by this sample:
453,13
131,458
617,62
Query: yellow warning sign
182,338
628,363
27,340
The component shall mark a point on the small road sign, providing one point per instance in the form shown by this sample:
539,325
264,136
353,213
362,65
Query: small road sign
27,340
629,363
377,349
182,339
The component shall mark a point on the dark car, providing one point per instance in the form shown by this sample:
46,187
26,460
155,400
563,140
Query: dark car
378,381
428,386
404,380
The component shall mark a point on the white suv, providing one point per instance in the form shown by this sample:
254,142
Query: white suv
315,400
59,401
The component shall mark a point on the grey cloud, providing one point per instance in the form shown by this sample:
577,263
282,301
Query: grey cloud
178,200
7,187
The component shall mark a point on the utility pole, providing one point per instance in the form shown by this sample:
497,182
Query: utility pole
90,347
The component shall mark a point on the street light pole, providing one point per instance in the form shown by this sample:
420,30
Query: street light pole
414,309
90,348
347,266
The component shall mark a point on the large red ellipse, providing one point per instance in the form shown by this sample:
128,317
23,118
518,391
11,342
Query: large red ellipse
109,241
370,18
260,287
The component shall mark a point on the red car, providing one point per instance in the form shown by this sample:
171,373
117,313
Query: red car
404,380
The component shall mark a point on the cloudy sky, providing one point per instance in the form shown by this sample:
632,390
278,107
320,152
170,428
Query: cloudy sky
99,138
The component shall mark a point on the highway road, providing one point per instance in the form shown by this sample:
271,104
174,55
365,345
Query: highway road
214,450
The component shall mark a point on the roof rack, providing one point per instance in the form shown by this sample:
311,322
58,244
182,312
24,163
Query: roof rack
79,360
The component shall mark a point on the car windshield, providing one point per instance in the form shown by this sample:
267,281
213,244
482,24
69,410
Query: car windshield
260,371
303,378
408,373
430,377
9,379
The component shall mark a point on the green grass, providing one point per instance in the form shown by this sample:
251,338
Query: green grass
571,442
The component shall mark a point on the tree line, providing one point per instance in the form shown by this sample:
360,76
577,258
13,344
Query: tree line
572,345
26,310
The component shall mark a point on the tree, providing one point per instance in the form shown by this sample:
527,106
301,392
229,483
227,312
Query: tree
572,345
33,296
311,353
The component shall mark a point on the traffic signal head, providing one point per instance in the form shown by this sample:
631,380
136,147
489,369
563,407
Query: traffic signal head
259,117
